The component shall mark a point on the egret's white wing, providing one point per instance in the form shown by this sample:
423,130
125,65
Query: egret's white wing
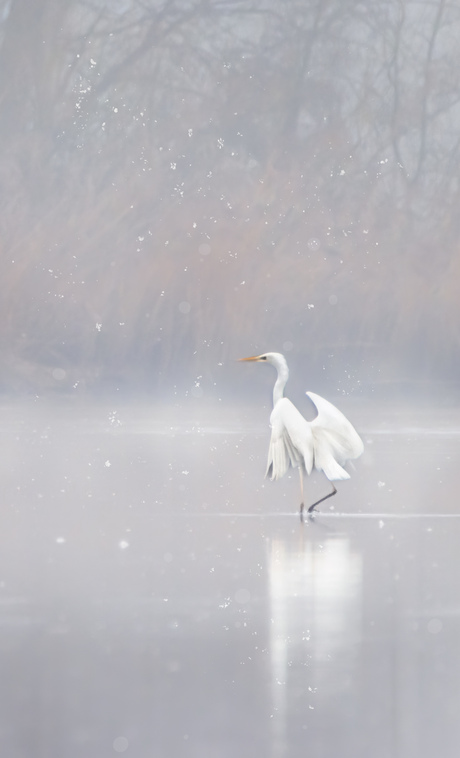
291,442
335,439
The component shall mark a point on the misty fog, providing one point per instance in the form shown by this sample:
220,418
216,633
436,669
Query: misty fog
184,183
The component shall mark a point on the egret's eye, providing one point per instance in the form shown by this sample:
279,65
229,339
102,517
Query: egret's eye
263,357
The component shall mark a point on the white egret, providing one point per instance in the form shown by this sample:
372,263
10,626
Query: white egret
325,443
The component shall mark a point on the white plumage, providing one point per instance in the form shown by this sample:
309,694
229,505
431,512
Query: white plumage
326,443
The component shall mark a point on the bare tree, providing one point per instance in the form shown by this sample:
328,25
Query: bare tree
179,177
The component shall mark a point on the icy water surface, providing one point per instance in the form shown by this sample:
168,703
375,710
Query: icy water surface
159,599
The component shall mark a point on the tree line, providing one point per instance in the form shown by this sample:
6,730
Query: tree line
185,180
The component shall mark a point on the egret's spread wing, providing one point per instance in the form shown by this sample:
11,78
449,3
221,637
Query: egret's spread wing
335,439
291,442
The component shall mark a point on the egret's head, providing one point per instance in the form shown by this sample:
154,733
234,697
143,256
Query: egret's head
273,358
276,359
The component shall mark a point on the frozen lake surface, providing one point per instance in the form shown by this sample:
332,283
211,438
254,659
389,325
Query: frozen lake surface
160,599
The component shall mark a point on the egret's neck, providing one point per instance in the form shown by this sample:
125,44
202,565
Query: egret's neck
281,379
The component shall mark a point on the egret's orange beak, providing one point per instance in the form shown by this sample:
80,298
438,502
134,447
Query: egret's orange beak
252,358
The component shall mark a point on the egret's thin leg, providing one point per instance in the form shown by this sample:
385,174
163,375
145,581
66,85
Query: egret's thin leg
301,492
312,507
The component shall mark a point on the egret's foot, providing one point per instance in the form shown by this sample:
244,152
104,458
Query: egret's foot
312,507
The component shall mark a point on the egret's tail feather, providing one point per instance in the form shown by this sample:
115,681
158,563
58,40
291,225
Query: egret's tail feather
332,469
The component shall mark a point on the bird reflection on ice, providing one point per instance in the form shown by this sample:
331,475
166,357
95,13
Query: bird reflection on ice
315,601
